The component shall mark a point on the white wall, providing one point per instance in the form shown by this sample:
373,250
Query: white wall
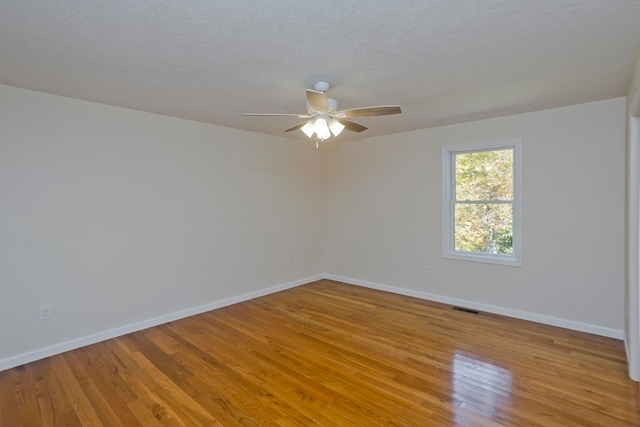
118,218
115,216
384,214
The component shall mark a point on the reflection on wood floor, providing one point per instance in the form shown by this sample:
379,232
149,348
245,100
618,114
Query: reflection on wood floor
330,354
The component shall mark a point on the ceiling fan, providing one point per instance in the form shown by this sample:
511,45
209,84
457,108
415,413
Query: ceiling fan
324,118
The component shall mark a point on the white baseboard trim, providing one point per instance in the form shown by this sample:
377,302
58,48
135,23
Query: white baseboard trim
31,356
524,315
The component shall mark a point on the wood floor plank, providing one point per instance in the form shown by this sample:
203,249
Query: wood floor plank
108,396
146,402
186,409
74,393
331,354
27,407
265,378
317,348
63,414
44,404
8,406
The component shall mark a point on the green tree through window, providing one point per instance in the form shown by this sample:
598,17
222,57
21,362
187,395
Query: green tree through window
484,202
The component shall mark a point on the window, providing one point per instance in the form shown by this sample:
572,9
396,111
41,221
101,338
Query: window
482,202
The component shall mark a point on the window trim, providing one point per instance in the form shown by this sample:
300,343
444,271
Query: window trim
448,202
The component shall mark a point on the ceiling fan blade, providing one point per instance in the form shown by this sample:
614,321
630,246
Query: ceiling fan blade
318,101
300,116
369,111
296,127
352,126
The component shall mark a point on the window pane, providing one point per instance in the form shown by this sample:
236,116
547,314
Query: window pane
485,228
484,175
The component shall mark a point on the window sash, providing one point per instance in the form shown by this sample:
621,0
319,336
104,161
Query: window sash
483,202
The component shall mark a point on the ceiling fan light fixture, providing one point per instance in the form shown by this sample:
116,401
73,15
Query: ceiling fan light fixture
308,129
336,127
321,128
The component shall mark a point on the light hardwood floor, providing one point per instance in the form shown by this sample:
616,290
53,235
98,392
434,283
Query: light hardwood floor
330,354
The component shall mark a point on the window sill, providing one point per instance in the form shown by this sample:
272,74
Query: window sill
484,258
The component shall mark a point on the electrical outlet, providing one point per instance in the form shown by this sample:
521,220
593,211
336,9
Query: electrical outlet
295,261
45,312
427,270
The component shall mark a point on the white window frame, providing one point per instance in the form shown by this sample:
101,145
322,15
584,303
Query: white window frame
448,161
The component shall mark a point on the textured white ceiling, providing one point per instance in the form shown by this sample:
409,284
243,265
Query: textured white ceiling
211,60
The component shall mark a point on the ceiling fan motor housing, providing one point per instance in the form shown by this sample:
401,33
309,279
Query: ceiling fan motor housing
333,106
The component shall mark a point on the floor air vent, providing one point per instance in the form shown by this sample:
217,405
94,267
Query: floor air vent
466,310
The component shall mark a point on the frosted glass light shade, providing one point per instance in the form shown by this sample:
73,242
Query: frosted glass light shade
321,128
336,127
307,129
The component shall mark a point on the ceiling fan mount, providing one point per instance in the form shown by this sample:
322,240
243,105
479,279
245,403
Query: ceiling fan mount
321,86
323,117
